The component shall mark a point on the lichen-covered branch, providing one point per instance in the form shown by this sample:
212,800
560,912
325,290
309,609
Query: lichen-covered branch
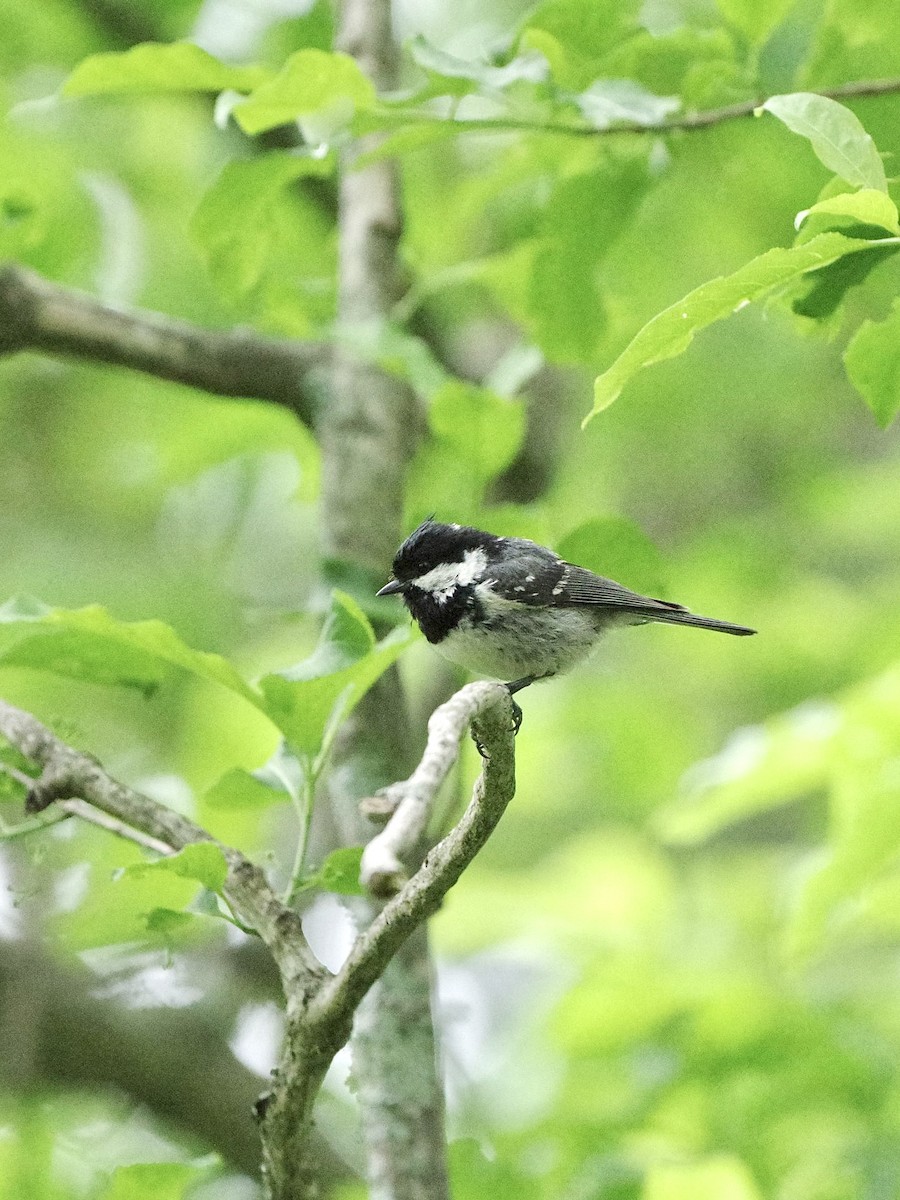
487,707
36,314
69,774
387,857
320,1007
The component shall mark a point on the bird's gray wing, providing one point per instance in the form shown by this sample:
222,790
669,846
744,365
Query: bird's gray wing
537,577
580,586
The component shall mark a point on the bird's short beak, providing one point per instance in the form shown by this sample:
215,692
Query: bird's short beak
391,589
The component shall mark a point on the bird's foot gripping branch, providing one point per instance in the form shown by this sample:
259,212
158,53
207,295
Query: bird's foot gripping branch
319,1004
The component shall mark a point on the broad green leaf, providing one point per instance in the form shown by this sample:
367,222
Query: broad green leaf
340,872
116,906
823,291
755,18
42,200
89,644
346,637
868,206
323,91
618,549
577,35
153,1181
203,861
236,223
582,219
308,700
670,332
836,135
168,927
159,67
485,429
239,789
872,360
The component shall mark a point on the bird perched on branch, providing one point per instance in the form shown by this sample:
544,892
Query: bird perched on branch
514,610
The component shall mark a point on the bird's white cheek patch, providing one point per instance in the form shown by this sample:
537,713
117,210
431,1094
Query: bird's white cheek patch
442,579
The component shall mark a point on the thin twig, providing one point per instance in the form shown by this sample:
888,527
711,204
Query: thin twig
73,808
687,123
93,816
36,314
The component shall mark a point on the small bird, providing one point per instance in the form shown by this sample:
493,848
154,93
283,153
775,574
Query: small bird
513,610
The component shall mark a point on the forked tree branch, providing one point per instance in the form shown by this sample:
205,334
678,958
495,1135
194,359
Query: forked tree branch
386,858
36,314
487,709
319,1006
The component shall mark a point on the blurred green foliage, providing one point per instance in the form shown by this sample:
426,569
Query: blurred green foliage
696,891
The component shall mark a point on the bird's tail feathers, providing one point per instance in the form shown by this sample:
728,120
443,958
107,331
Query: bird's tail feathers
680,616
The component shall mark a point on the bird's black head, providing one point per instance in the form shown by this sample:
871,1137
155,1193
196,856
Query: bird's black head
436,570
434,544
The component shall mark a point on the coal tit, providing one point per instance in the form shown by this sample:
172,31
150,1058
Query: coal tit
514,610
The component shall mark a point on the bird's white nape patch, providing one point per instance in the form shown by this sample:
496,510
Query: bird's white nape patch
445,577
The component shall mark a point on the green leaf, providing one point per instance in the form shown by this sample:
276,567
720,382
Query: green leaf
611,101
872,360
159,67
203,861
577,35
670,332
236,223
88,644
153,1181
868,206
168,927
115,908
483,428
836,135
755,18
452,76
323,91
340,872
582,219
239,789
618,549
827,288
346,637
308,700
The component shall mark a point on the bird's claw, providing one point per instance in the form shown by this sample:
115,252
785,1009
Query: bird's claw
516,726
